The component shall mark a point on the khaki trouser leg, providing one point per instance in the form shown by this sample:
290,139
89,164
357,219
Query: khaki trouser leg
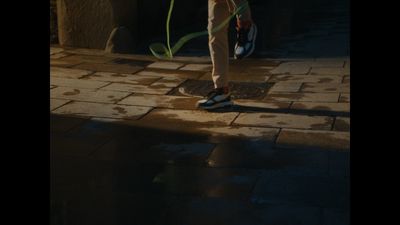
218,11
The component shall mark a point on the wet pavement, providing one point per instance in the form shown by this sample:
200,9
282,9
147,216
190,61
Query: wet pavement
128,148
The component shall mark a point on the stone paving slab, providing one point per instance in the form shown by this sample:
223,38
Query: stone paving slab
286,87
237,68
131,62
255,62
313,87
88,95
55,103
307,78
186,118
88,58
193,59
109,68
261,154
243,76
291,138
163,101
167,82
88,109
165,65
68,73
58,55
332,216
276,187
339,164
259,105
133,88
84,51
209,211
137,145
292,68
332,59
347,64
62,63
344,98
99,128
121,78
346,80
281,120
71,145
208,182
303,97
289,214
322,106
253,133
55,50
197,67
202,160
177,153
60,123
177,74
259,69
342,124
77,83
328,63
328,71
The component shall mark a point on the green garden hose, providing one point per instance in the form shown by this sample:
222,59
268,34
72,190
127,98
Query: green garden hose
161,51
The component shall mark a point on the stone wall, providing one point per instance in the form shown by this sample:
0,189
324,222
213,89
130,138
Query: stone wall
89,23
105,24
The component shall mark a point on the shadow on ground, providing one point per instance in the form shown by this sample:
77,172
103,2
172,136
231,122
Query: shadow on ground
129,173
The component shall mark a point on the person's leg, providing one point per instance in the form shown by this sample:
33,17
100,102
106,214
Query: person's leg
243,19
218,11
246,31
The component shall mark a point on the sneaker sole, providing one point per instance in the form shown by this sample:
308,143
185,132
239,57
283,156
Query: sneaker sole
218,105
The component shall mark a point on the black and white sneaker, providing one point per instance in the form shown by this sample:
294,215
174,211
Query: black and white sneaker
246,40
215,99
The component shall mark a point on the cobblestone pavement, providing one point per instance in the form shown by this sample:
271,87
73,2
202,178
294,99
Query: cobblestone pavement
128,148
